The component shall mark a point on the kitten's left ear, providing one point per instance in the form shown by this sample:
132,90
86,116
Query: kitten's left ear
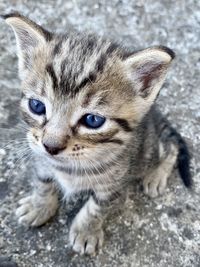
28,35
146,70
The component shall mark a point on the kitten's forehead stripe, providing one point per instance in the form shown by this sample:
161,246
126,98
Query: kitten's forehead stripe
101,62
112,48
79,60
51,72
66,82
58,48
88,80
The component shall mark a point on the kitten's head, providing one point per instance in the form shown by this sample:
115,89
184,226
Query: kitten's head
82,94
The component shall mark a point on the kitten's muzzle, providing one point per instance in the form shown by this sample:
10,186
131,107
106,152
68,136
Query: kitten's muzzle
53,146
55,138
53,150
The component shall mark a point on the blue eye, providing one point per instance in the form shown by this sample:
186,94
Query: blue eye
37,107
93,121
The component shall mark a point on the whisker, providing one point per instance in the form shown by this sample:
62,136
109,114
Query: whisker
25,153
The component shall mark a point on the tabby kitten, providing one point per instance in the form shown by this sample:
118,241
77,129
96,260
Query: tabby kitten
93,124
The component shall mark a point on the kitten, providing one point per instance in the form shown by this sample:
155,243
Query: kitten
93,124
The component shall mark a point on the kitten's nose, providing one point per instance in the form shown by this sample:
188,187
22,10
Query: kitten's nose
54,148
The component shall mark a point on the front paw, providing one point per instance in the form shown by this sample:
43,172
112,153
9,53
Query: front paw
85,241
34,211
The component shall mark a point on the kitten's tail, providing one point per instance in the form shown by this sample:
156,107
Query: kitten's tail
183,159
168,134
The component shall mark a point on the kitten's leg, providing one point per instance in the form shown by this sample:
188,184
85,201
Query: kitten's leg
39,207
86,233
155,182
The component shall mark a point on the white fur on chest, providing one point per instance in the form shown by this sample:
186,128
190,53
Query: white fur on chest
66,183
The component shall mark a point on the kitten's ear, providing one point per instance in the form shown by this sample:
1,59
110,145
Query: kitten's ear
146,70
28,35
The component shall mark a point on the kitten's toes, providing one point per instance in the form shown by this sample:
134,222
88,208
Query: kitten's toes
154,185
86,242
33,212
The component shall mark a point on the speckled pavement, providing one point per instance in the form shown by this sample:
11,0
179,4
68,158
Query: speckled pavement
164,232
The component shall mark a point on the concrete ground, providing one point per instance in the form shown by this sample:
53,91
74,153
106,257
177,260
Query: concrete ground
164,232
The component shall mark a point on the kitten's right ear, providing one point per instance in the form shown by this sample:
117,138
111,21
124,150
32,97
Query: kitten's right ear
29,35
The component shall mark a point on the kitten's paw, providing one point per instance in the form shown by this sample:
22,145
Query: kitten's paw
154,185
86,242
34,211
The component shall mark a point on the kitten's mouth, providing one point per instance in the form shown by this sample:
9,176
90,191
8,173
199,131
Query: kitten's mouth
62,159
55,160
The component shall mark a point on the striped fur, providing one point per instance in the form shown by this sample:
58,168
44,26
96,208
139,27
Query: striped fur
76,74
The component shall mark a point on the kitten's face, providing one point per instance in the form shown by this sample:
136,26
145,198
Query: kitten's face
87,121
82,95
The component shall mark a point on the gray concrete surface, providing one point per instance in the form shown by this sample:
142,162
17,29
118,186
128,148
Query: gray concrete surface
164,232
